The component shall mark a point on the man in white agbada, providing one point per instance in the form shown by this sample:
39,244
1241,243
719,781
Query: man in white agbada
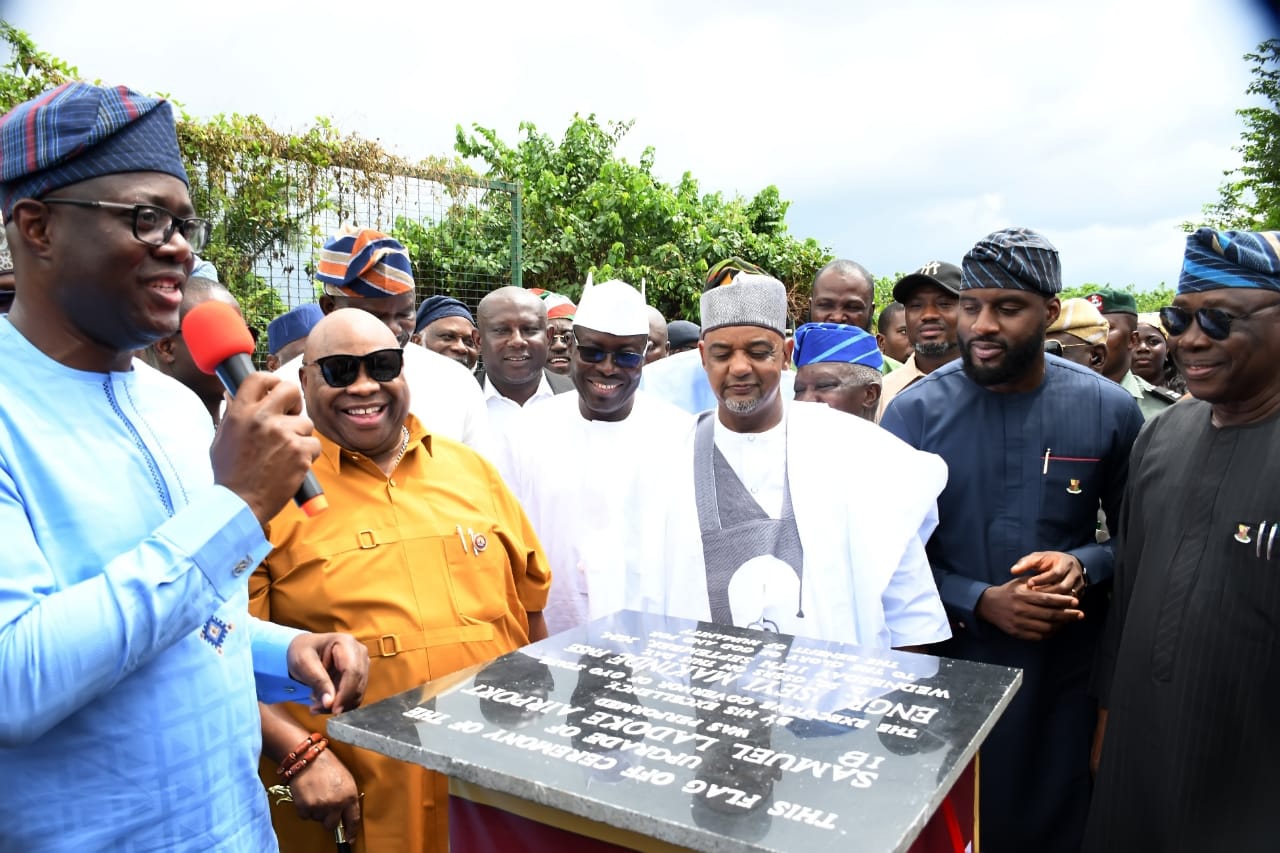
571,459
759,520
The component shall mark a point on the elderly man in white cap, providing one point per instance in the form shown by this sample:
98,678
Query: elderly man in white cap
758,524
570,459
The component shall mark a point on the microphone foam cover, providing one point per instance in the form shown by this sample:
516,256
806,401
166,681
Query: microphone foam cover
214,331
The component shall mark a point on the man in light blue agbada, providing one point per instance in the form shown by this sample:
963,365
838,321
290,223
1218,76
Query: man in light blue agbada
126,648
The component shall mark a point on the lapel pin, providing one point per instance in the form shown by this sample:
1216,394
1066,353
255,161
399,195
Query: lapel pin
1074,487
1242,534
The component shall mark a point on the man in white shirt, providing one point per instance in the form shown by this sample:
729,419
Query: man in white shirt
365,269
570,459
758,522
512,323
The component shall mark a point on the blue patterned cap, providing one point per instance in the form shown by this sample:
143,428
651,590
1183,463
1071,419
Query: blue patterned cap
437,308
1216,259
1016,258
291,325
76,132
836,342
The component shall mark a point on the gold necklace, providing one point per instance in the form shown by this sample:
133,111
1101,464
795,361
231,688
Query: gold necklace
404,445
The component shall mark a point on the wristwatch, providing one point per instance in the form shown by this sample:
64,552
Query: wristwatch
1084,578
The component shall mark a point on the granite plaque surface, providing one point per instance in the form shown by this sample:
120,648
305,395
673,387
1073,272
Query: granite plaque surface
705,736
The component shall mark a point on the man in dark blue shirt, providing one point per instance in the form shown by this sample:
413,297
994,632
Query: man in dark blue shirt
1034,444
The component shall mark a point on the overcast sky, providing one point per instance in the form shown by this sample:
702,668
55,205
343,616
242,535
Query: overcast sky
901,132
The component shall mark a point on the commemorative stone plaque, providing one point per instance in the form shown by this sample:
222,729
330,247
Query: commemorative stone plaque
704,736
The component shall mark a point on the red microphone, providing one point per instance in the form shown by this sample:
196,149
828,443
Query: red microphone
219,342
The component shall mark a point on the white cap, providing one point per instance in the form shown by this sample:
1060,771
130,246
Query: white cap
748,300
613,308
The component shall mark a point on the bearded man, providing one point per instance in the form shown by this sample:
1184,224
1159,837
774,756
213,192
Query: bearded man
1034,444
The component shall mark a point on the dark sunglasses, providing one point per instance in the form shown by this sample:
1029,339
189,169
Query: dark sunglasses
339,371
624,360
1214,322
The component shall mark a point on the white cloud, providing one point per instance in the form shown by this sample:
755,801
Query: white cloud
900,131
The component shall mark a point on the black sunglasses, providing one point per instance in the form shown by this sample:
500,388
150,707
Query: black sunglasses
339,371
1214,322
623,359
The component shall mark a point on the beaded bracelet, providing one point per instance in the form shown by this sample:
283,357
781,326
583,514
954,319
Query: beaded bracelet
303,762
313,738
300,751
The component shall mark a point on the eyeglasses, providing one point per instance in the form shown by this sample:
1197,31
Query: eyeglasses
339,371
622,359
1056,347
1214,322
560,337
152,225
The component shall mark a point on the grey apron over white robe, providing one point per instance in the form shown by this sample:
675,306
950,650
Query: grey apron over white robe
866,578
754,563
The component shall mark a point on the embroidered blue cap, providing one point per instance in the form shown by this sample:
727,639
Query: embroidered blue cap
1216,259
817,342
79,131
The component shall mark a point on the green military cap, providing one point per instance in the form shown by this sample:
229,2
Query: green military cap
1108,300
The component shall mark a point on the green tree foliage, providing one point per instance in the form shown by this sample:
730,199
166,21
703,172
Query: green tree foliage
1148,300
261,188
1249,200
28,71
884,290
209,149
585,209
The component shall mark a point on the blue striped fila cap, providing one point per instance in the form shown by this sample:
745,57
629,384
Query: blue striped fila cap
1016,258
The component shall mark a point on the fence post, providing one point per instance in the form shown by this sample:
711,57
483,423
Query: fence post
517,228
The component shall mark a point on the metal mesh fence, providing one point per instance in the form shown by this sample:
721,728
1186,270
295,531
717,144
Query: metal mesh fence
272,215
460,232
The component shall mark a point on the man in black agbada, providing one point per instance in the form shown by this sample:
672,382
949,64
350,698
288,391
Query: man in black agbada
1189,674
